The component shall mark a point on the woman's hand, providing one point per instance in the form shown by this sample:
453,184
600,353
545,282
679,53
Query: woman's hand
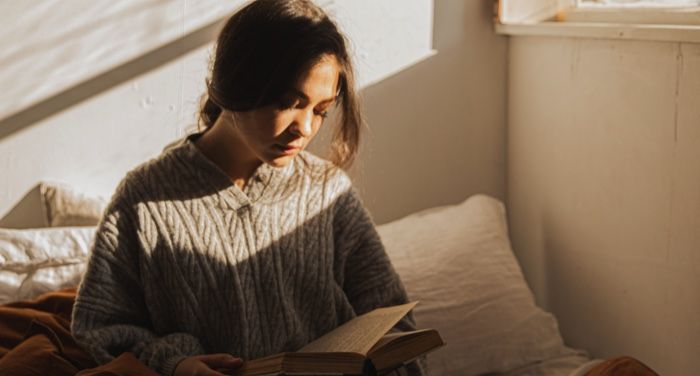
207,365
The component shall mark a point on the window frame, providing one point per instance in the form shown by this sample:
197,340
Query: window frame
632,14
565,20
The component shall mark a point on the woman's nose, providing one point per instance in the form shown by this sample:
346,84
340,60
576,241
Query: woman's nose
303,126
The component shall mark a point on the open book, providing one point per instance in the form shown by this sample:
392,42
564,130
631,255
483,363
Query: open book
361,346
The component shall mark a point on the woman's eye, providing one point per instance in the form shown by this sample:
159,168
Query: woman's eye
288,104
323,114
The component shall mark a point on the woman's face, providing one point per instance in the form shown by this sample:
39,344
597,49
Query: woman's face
275,134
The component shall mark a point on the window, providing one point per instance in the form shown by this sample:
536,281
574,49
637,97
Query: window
657,20
636,3
658,12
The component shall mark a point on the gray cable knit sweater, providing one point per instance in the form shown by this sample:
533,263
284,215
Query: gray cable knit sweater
186,263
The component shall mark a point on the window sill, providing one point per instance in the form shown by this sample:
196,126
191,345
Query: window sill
647,32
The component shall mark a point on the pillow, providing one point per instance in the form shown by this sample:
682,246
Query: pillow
457,261
36,261
65,206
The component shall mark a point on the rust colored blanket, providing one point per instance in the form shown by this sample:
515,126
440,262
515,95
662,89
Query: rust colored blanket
35,340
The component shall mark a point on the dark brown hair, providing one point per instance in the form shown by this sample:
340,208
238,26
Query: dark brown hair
262,51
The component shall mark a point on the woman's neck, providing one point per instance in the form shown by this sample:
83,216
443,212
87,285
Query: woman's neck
221,145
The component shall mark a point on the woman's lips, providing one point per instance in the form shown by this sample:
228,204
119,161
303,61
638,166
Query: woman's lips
288,149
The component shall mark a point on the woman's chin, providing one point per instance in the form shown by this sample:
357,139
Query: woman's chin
280,161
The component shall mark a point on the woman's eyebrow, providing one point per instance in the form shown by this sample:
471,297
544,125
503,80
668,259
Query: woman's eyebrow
300,94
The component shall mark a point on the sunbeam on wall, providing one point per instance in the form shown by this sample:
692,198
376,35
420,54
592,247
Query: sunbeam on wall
92,88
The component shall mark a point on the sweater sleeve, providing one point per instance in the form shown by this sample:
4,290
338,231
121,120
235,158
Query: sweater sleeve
369,279
110,316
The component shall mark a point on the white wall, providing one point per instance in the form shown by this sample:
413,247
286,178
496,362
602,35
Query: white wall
49,46
134,104
604,192
437,129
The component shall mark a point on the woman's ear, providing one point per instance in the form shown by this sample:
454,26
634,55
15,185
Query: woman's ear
228,117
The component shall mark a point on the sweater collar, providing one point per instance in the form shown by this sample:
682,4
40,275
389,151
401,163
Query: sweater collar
264,180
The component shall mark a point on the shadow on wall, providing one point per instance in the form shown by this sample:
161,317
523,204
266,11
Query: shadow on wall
107,80
437,130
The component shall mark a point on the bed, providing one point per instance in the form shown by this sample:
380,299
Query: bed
455,260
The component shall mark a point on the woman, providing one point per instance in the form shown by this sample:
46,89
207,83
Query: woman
236,243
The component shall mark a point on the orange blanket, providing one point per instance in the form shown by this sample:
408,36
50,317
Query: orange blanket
35,339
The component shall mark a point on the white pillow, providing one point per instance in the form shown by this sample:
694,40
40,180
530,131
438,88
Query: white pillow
65,206
457,261
33,262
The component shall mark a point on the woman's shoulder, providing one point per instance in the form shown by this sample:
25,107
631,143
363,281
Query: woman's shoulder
153,169
147,179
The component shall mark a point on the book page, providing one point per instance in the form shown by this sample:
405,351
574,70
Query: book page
390,337
361,333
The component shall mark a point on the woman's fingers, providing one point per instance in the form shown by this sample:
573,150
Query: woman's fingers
218,361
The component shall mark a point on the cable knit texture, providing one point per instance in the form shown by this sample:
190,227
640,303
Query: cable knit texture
186,263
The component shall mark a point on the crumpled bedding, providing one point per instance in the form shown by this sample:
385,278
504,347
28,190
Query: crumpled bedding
36,261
